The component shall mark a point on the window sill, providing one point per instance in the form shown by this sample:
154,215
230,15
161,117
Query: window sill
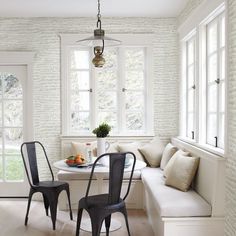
218,151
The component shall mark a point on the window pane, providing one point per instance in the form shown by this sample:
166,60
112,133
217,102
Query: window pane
1,168
109,117
79,59
211,129
212,98
1,113
134,121
222,64
134,80
221,131
13,140
13,111
191,76
110,55
134,59
190,125
12,87
106,79
191,52
79,80
0,141
80,101
80,121
222,96
212,37
212,68
107,100
191,94
222,34
134,100
14,168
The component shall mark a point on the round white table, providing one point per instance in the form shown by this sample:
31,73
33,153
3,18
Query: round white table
100,172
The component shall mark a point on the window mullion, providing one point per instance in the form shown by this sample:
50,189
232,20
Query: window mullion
121,94
93,113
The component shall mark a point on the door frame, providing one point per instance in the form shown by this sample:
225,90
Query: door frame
11,58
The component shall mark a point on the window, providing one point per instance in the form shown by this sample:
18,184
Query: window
203,85
215,83
116,94
190,87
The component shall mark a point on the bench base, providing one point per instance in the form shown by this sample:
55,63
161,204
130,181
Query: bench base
183,226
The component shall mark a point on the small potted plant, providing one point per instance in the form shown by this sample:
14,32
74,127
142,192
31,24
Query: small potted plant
102,132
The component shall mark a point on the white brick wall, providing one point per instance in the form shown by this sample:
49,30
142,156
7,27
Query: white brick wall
190,6
41,35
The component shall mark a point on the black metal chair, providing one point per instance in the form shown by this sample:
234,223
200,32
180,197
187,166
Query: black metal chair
100,207
49,189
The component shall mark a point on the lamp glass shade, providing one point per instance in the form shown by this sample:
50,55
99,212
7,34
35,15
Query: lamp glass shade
96,40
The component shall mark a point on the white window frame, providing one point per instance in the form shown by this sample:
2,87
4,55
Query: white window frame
206,11
133,40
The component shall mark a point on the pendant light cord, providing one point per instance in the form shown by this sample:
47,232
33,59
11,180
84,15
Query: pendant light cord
99,23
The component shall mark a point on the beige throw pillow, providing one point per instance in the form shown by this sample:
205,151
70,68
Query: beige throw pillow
152,152
171,161
182,172
131,147
168,152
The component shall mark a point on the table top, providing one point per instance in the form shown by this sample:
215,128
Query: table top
61,165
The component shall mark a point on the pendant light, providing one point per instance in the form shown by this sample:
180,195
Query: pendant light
98,41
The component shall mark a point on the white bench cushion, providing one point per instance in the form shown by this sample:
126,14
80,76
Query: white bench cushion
66,175
171,202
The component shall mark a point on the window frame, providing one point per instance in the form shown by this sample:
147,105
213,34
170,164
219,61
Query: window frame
201,75
134,40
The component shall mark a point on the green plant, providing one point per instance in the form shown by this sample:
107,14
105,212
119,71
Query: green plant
102,130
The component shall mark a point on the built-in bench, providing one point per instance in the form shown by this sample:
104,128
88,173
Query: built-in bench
198,212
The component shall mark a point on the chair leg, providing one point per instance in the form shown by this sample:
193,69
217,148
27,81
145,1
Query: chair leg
28,207
68,196
46,203
53,199
107,224
79,217
96,223
126,219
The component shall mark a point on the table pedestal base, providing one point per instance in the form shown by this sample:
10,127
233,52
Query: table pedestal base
86,225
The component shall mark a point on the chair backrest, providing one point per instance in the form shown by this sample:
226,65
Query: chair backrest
116,172
29,156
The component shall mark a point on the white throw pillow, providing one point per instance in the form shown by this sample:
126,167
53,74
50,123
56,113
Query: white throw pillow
168,152
182,172
171,161
152,152
80,148
131,147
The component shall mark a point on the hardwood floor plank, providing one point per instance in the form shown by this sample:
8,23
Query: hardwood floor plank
12,214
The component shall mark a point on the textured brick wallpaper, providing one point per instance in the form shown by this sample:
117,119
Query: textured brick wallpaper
41,36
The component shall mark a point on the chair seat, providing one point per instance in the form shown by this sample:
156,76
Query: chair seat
98,201
50,184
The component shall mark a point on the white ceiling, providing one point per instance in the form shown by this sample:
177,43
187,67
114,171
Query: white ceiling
84,8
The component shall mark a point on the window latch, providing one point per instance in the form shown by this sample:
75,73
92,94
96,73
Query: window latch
124,89
90,90
194,86
216,141
192,134
217,80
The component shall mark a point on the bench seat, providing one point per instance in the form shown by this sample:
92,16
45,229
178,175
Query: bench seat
171,202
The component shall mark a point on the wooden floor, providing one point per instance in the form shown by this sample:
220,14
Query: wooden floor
12,215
